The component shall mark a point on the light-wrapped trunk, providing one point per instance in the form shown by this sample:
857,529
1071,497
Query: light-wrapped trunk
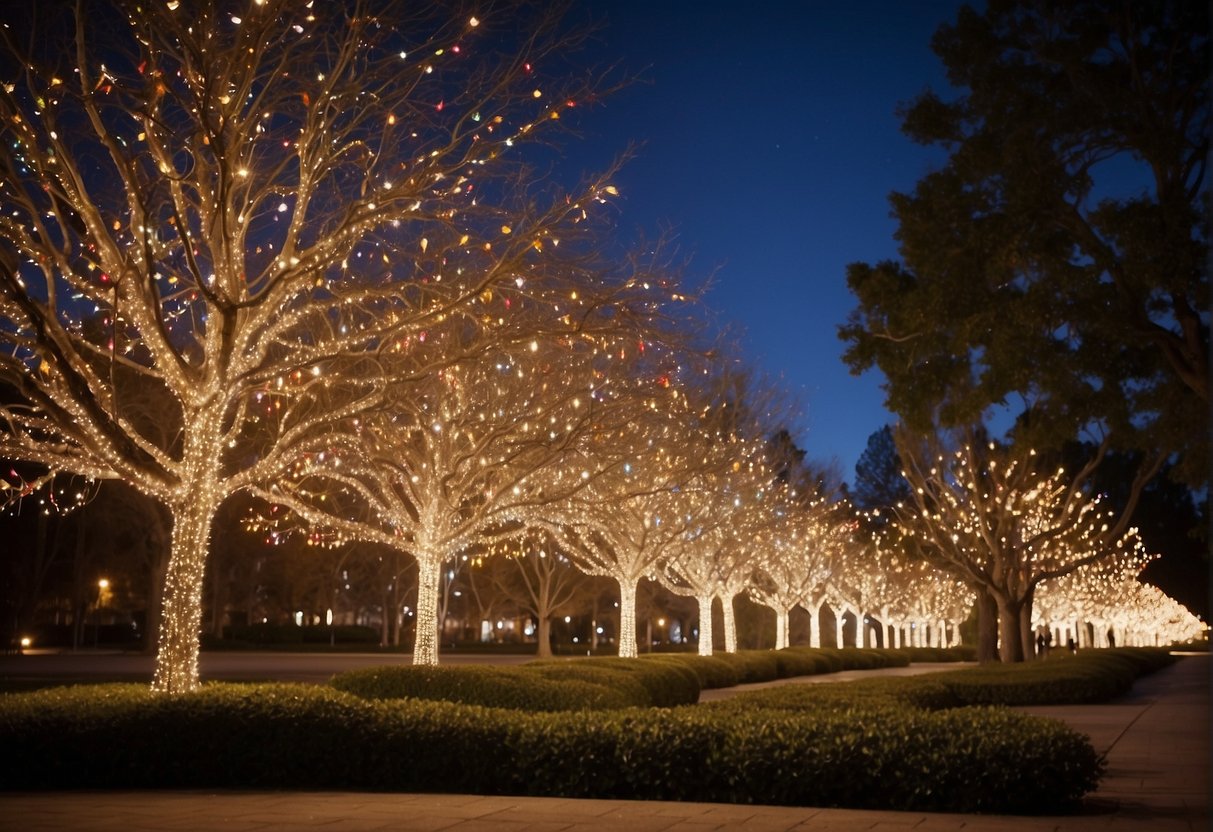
429,576
627,618
781,628
181,617
730,624
705,624
814,625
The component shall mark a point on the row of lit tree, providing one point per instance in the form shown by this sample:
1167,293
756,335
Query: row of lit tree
292,249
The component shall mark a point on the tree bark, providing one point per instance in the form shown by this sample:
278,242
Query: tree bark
1010,639
543,633
987,627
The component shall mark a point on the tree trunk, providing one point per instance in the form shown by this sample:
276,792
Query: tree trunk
838,624
781,628
814,626
181,616
425,641
730,624
1010,641
543,633
705,624
627,618
987,627
1027,638
385,622
594,624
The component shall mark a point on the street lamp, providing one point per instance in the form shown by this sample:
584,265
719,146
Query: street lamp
103,586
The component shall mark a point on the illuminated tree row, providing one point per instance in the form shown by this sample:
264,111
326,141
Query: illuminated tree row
230,211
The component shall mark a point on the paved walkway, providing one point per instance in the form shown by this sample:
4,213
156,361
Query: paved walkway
1156,739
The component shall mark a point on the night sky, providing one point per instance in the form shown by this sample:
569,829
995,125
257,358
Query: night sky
768,143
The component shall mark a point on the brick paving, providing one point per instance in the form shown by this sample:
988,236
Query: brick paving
1156,739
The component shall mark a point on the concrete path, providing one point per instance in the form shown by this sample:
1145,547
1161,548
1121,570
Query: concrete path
1156,739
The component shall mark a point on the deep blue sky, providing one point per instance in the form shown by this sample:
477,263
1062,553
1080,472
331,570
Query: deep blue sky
768,143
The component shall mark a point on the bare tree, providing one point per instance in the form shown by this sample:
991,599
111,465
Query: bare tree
541,581
246,200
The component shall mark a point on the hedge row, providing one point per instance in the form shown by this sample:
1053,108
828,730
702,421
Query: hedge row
657,680
597,684
1090,676
872,755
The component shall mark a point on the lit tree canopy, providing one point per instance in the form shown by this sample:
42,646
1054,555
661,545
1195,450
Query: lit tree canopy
241,205
725,510
1059,257
480,433
998,521
801,554
639,504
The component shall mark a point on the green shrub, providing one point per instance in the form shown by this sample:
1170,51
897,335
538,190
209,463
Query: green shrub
297,736
794,662
549,685
490,686
669,683
1089,676
624,685
752,665
963,653
893,743
712,671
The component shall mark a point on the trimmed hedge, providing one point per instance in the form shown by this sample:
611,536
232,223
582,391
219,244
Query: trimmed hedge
1062,679
657,679
964,653
1091,676
299,736
907,743
580,684
712,671
491,686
